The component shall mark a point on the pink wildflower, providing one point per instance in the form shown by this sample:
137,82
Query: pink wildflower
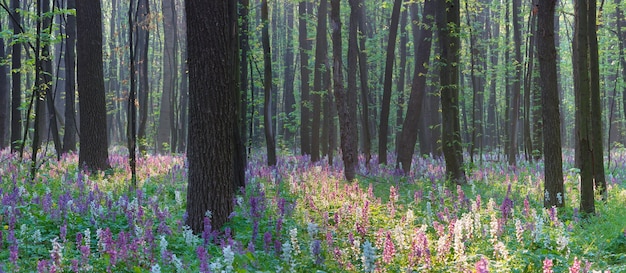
547,266
389,249
575,268
482,266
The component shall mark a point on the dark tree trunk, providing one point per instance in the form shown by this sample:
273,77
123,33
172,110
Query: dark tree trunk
448,21
422,40
93,132
289,97
346,108
401,77
581,76
16,82
212,110
384,112
244,45
366,133
546,51
169,76
305,103
596,106
143,32
475,142
46,79
622,51
321,49
530,109
69,137
491,126
4,98
515,100
268,88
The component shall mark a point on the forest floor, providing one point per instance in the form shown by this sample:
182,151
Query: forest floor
302,217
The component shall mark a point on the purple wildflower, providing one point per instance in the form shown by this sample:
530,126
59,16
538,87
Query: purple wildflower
42,266
63,232
482,266
316,251
204,260
267,241
207,232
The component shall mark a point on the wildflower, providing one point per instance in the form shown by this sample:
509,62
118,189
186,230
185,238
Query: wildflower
389,250
188,235
482,266
36,236
178,264
156,268
312,229
202,257
316,252
500,250
547,266
163,247
56,254
369,257
519,231
267,241
575,268
229,258
293,235
561,241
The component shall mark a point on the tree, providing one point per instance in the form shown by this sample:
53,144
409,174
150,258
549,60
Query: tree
212,110
305,47
16,81
366,133
546,51
384,112
408,135
321,48
4,98
448,22
346,107
268,88
288,86
170,60
90,77
142,30
582,85
69,138
515,100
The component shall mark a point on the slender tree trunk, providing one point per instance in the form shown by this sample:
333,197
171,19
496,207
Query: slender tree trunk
305,104
321,48
288,87
384,112
366,133
515,102
581,76
268,88
546,51
346,107
622,51
244,45
448,22
4,98
422,39
143,34
90,77
529,111
16,81
401,77
169,75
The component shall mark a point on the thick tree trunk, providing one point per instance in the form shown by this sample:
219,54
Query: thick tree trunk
448,21
546,51
212,111
268,88
305,103
321,49
346,107
384,112
93,132
169,76
421,38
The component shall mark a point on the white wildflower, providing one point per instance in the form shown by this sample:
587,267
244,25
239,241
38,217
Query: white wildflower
519,231
87,236
369,257
156,268
178,197
36,236
559,197
208,214
293,236
312,229
163,245
562,241
178,264
56,254
229,258
499,249
189,237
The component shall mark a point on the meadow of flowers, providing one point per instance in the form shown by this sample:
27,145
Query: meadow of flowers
302,217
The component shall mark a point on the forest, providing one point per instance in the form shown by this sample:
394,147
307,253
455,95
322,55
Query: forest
312,136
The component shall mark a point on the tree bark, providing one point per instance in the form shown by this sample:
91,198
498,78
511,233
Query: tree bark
384,112
346,107
169,76
515,100
546,50
366,133
422,40
143,34
268,88
69,137
288,87
401,77
321,49
90,77
4,98
305,103
16,82
212,110
448,22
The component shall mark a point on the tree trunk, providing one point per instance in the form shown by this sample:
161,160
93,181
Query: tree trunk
546,51
69,137
321,49
4,98
596,106
366,134
515,102
581,76
305,47
16,81
346,107
529,109
384,112
448,21
476,127
288,87
93,132
169,76
143,35
268,88
212,111
422,40
46,64
401,78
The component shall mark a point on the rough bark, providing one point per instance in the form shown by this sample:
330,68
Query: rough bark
515,100
16,82
90,77
212,111
305,47
169,76
448,22
268,88
384,112
366,133
401,78
346,108
321,49
69,137
546,51
422,39
143,32
288,87
4,98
